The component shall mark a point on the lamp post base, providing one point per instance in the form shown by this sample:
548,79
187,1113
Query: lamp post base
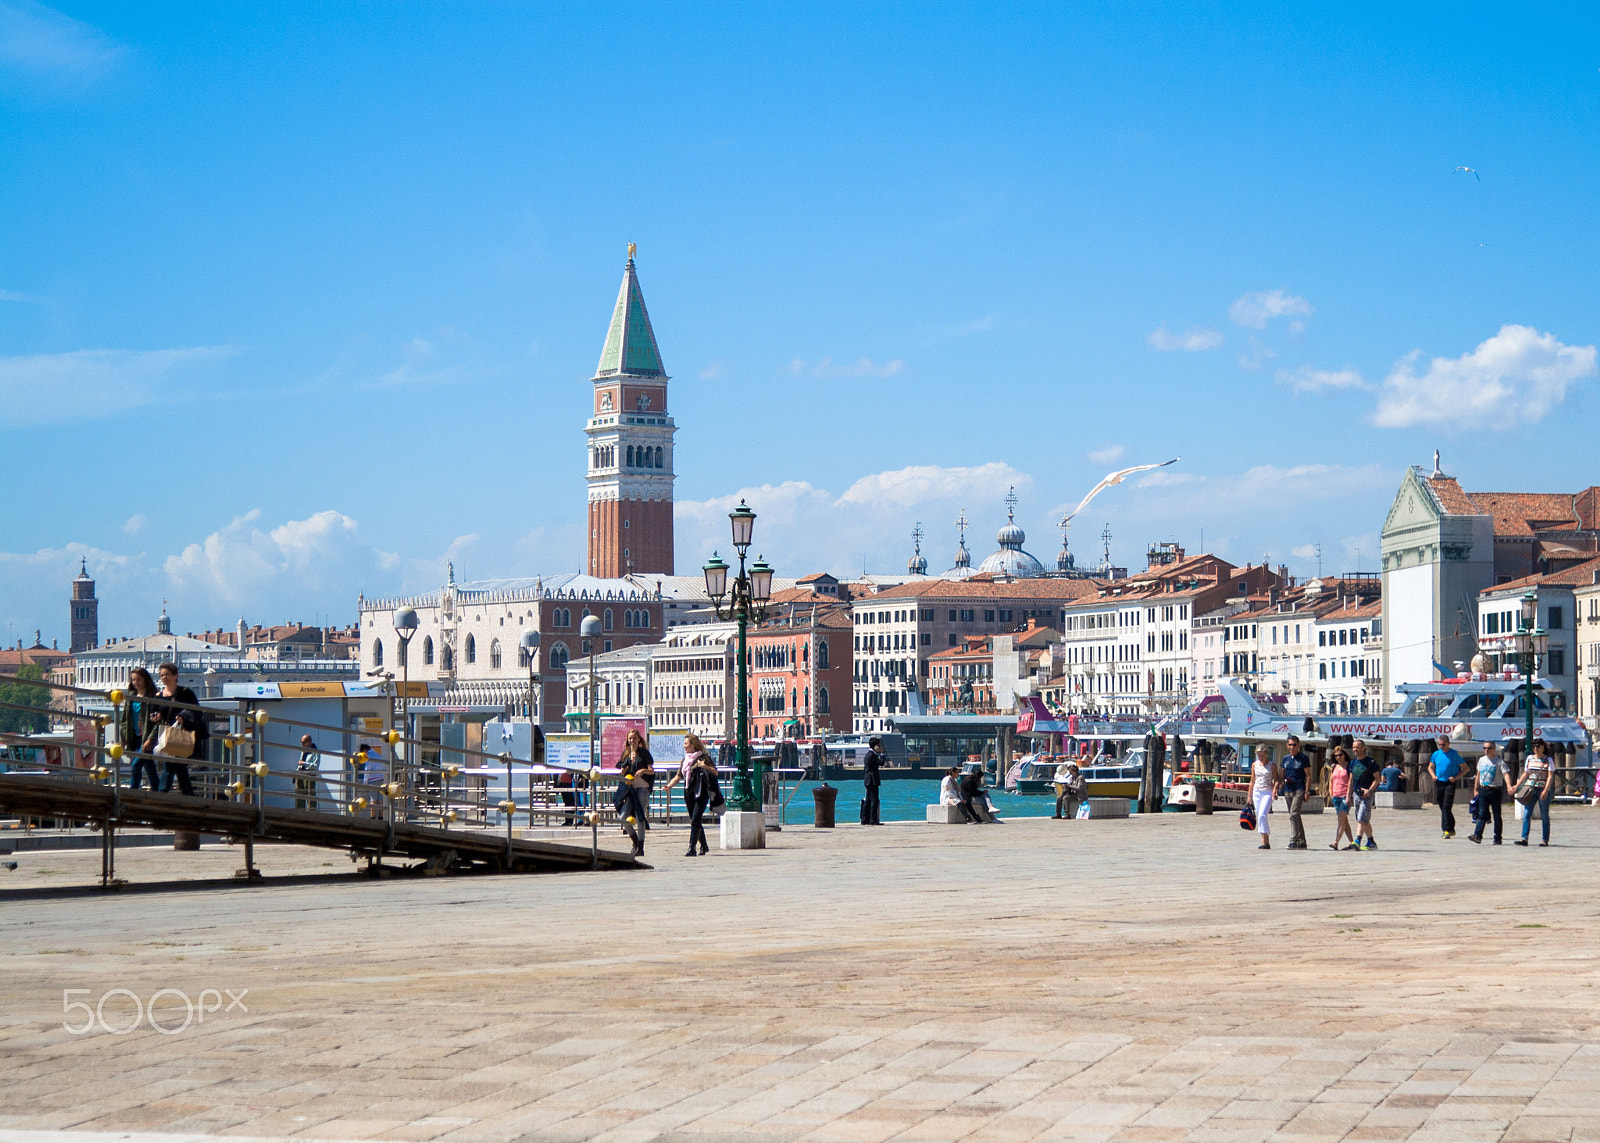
744,829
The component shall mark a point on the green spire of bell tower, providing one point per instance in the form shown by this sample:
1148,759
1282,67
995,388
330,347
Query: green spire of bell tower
630,342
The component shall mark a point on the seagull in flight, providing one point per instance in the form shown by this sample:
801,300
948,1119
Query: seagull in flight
1469,170
1114,478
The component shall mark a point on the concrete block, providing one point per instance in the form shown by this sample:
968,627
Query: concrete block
946,815
1397,800
744,829
1108,807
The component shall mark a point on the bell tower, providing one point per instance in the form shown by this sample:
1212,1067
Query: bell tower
85,612
630,446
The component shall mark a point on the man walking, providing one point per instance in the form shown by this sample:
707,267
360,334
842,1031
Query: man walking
1488,785
305,777
1293,770
1363,787
1447,765
869,776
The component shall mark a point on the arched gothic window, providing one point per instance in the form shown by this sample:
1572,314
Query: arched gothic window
660,454
607,620
447,660
377,652
630,456
494,655
822,657
559,656
427,651
472,649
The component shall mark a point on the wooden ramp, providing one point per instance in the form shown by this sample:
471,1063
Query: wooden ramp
460,849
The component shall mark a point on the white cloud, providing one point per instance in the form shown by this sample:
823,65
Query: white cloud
45,387
243,565
1304,552
134,523
1309,380
34,587
1110,454
801,528
920,483
1193,339
861,367
1518,376
1257,309
43,42
711,372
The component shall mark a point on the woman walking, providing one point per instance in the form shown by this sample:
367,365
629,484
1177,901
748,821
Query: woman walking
638,770
700,788
1535,789
136,725
1339,796
1264,782
175,731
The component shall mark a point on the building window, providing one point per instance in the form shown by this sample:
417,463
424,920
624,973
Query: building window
967,615
494,655
427,651
1555,621
952,638
559,656
377,652
1556,659
448,662
822,655
472,649
404,652
952,615
607,620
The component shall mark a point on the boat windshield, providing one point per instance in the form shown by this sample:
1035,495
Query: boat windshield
1426,706
1475,705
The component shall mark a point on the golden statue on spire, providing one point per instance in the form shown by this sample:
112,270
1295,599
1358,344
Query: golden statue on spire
632,250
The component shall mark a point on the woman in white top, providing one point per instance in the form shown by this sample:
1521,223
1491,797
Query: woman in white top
1264,782
950,793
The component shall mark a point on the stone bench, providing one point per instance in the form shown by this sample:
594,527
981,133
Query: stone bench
1107,807
1397,799
945,815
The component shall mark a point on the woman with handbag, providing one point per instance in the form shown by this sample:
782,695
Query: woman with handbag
638,770
177,734
1265,778
1535,789
136,726
700,789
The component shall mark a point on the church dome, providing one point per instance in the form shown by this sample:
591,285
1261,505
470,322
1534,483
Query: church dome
1011,559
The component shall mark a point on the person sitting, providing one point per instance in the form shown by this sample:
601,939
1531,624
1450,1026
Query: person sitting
974,798
1392,778
1069,790
950,794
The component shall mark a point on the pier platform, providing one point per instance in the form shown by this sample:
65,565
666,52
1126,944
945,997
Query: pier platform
1158,978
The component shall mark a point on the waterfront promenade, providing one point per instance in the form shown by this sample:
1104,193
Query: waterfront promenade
1148,979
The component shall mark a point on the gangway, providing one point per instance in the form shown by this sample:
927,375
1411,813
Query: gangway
408,815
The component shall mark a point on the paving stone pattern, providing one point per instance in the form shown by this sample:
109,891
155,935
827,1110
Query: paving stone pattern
1151,979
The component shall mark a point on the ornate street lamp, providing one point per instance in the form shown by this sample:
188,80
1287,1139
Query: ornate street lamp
590,630
530,648
1531,644
746,601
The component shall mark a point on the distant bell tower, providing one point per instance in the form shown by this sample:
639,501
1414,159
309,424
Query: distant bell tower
630,446
85,612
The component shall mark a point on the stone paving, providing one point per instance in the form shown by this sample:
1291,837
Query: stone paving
1151,979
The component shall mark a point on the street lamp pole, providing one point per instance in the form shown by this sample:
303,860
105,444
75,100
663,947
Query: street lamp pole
405,626
530,648
750,592
1531,643
589,629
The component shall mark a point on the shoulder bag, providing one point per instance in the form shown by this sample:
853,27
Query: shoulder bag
1530,786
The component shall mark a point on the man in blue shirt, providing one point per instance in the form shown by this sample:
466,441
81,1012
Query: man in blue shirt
1447,766
1293,769
1391,777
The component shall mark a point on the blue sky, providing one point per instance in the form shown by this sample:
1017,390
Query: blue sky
301,301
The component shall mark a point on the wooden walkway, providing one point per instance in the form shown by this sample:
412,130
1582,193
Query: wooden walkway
458,850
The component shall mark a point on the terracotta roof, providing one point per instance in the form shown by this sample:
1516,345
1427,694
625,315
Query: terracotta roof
1368,610
12,658
1581,575
1451,498
982,587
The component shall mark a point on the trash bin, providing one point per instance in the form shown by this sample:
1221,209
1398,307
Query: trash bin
1202,796
183,839
824,797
